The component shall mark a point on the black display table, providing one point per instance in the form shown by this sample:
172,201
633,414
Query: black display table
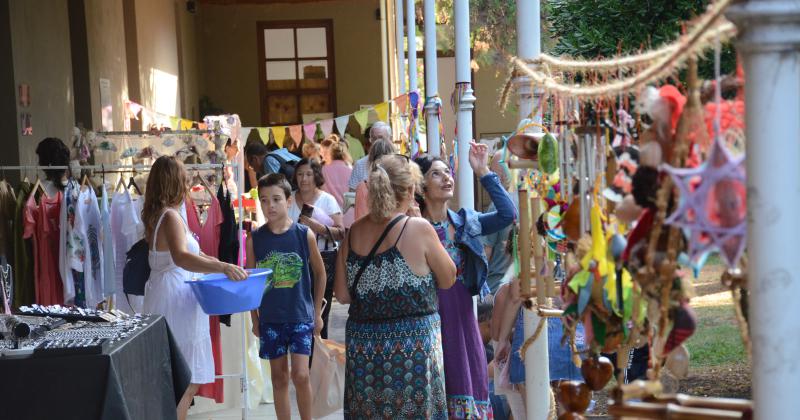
141,377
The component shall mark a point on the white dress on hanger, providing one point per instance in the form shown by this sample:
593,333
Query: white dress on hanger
167,294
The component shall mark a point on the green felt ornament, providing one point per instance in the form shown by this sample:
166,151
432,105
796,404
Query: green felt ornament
548,154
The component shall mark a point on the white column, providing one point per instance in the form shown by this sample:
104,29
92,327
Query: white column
466,104
411,27
398,33
385,52
537,375
769,43
431,78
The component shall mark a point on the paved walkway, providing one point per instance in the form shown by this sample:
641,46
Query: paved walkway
337,321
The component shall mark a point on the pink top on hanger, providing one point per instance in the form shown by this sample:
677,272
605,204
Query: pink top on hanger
42,224
208,232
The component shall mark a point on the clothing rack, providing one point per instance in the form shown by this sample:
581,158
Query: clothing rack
239,176
143,168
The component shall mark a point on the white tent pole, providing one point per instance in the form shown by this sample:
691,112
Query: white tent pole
769,44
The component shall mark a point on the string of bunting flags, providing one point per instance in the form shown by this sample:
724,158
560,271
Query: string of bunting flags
155,119
309,130
405,116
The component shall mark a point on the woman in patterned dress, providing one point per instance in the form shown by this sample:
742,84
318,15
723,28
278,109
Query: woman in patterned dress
460,233
394,353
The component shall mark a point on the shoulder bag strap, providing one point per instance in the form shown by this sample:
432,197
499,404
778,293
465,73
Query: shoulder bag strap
371,254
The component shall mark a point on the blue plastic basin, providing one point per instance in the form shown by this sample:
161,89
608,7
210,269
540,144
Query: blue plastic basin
219,295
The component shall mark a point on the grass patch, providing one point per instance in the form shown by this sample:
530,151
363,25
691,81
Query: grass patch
717,341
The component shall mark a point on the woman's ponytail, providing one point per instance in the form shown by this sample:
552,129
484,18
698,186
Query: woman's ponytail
382,201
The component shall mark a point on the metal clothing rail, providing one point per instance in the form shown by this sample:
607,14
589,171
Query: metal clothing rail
143,168
239,166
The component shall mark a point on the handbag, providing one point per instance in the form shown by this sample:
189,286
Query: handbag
329,260
137,269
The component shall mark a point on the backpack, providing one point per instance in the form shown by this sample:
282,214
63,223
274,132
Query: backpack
137,269
286,166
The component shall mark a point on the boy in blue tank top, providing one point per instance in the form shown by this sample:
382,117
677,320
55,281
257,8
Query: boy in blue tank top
287,316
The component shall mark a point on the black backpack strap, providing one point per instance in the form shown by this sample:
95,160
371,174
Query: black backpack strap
371,254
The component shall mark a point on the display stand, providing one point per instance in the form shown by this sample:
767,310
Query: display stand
239,178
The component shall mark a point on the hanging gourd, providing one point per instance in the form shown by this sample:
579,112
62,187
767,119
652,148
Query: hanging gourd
548,154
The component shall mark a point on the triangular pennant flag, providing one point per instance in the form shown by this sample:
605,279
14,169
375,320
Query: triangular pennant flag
401,102
244,132
382,110
279,133
341,124
263,132
362,117
186,124
327,127
296,132
174,122
310,129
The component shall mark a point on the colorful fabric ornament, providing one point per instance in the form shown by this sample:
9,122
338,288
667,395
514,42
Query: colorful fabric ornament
713,204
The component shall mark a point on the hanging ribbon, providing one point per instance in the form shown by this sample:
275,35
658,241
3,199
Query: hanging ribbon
413,99
341,124
310,130
296,132
327,127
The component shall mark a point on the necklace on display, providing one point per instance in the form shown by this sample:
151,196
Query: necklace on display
7,285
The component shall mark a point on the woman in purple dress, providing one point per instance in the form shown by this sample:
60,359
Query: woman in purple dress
466,379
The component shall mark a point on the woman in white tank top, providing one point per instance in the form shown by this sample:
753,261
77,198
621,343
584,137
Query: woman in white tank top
174,256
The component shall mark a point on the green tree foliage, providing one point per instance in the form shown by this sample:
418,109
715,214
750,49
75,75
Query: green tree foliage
605,28
602,28
578,28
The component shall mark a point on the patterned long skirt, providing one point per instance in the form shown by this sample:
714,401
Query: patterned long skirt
395,370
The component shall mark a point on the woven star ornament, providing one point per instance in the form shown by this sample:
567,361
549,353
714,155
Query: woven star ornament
713,204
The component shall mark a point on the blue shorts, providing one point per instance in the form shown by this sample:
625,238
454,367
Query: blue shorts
278,339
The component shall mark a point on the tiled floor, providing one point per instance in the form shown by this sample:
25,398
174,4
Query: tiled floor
337,321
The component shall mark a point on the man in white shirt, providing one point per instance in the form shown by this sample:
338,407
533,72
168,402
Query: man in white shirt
380,130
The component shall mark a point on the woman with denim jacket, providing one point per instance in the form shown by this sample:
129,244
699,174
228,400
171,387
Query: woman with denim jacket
466,379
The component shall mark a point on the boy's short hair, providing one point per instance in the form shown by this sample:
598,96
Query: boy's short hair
275,180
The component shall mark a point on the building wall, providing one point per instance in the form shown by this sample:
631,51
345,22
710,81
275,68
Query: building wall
227,42
157,40
41,53
190,67
489,118
106,41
